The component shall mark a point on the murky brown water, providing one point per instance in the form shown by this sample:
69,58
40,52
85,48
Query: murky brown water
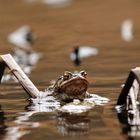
85,22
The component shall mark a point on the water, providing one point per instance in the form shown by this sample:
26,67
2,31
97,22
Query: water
93,23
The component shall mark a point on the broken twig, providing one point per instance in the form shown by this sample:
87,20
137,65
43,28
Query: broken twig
129,93
7,60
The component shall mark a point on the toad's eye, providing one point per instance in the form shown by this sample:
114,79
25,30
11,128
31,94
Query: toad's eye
83,73
67,75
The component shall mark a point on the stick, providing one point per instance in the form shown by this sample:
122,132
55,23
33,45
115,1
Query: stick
131,87
20,75
2,68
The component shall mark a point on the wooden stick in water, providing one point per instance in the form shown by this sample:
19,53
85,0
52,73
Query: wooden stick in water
2,68
130,89
29,87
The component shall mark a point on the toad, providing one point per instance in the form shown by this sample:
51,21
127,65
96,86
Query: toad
70,86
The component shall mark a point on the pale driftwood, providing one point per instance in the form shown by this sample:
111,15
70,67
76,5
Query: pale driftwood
19,74
129,93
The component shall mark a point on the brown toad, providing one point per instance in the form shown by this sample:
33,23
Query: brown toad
70,86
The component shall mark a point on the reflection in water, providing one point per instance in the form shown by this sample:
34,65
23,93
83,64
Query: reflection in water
67,124
130,123
73,124
21,127
2,123
22,124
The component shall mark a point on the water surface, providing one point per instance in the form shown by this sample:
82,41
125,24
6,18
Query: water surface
91,22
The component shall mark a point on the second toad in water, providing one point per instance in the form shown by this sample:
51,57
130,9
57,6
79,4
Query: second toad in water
70,86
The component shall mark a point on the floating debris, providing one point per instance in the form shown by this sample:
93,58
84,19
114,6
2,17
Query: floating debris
81,52
22,38
24,54
98,100
47,103
77,107
43,103
53,3
127,30
25,59
57,3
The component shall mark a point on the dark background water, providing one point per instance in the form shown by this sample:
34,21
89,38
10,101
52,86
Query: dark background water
85,22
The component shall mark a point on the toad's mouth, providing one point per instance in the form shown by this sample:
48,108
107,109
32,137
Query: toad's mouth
76,86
